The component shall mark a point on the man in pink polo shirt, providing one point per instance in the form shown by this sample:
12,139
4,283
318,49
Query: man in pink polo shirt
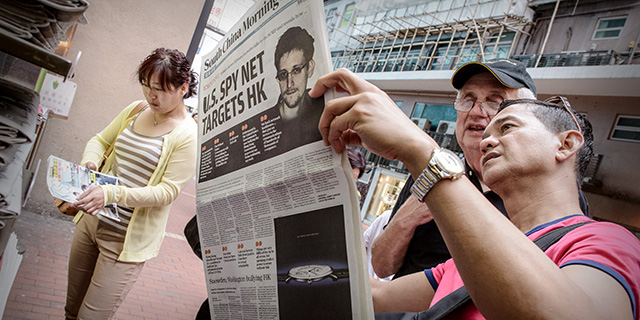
534,154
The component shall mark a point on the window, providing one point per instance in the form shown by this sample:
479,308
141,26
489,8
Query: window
469,52
331,18
626,128
348,14
609,28
433,113
444,56
501,50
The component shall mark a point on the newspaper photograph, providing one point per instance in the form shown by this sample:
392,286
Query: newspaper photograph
277,210
67,181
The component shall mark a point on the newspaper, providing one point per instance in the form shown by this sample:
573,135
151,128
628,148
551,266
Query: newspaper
67,181
18,118
11,181
277,210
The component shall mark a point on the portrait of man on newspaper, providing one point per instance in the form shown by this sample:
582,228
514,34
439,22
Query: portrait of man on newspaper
294,63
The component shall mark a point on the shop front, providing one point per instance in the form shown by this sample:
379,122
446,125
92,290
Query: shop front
384,188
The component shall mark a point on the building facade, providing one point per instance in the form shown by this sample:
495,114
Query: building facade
586,50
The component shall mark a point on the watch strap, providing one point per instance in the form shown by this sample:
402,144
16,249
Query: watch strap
435,172
282,277
341,273
424,183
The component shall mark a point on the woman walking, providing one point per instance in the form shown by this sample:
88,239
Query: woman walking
154,158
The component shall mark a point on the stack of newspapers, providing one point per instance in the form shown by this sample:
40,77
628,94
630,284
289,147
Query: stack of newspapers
43,23
18,117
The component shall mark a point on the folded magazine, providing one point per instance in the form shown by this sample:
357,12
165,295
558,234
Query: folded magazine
67,181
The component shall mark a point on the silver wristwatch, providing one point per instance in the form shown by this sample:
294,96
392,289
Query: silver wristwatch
444,164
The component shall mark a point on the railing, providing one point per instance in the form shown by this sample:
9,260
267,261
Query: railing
570,59
562,59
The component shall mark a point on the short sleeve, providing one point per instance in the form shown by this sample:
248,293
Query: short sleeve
607,247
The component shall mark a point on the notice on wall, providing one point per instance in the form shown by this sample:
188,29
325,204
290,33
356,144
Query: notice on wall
57,94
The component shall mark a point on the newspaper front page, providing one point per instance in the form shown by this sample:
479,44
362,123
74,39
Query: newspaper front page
277,210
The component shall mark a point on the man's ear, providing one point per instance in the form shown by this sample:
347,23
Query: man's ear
310,67
570,143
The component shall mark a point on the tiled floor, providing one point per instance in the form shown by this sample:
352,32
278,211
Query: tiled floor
171,286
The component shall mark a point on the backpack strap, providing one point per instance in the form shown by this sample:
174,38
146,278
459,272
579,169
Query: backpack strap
548,239
460,297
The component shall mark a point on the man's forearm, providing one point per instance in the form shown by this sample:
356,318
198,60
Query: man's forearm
390,248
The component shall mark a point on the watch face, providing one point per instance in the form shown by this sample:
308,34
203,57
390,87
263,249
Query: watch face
310,272
450,161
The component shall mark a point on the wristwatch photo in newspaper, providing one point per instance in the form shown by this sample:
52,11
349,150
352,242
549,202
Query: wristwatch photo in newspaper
313,273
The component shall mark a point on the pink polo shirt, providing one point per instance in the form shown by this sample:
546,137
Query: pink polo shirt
602,245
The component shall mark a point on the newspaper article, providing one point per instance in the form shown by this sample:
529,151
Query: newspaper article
277,212
67,181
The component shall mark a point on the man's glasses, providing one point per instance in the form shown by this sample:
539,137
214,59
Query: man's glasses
562,101
283,75
489,108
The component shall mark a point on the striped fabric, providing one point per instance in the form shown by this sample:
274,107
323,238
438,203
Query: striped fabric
136,157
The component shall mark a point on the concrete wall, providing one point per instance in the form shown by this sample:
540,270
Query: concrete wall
120,34
575,32
617,171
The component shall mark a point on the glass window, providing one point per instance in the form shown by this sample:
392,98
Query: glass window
506,36
434,113
348,14
443,57
626,128
469,52
385,190
491,51
417,110
331,15
609,28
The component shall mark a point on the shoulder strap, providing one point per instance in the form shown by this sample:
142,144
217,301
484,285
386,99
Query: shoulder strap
138,108
134,111
548,239
460,297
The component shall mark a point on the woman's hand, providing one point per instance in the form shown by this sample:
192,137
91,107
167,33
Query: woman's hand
91,166
91,201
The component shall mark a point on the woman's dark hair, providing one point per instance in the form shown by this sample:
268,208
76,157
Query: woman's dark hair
356,159
172,67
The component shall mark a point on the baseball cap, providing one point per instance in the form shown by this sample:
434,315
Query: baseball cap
511,73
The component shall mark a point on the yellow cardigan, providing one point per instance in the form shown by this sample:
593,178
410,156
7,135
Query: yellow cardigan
176,167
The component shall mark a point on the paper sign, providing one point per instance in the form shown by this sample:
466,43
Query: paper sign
57,94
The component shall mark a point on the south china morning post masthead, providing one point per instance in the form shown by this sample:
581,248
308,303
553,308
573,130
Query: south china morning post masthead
224,97
210,64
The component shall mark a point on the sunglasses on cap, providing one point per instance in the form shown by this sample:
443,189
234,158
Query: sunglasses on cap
562,101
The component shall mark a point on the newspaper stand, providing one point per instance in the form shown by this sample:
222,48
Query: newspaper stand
24,64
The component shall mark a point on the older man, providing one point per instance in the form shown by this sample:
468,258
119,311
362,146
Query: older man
411,241
533,154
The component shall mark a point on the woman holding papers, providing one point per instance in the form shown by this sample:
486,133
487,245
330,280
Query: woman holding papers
154,158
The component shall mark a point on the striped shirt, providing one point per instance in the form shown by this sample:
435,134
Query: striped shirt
136,157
